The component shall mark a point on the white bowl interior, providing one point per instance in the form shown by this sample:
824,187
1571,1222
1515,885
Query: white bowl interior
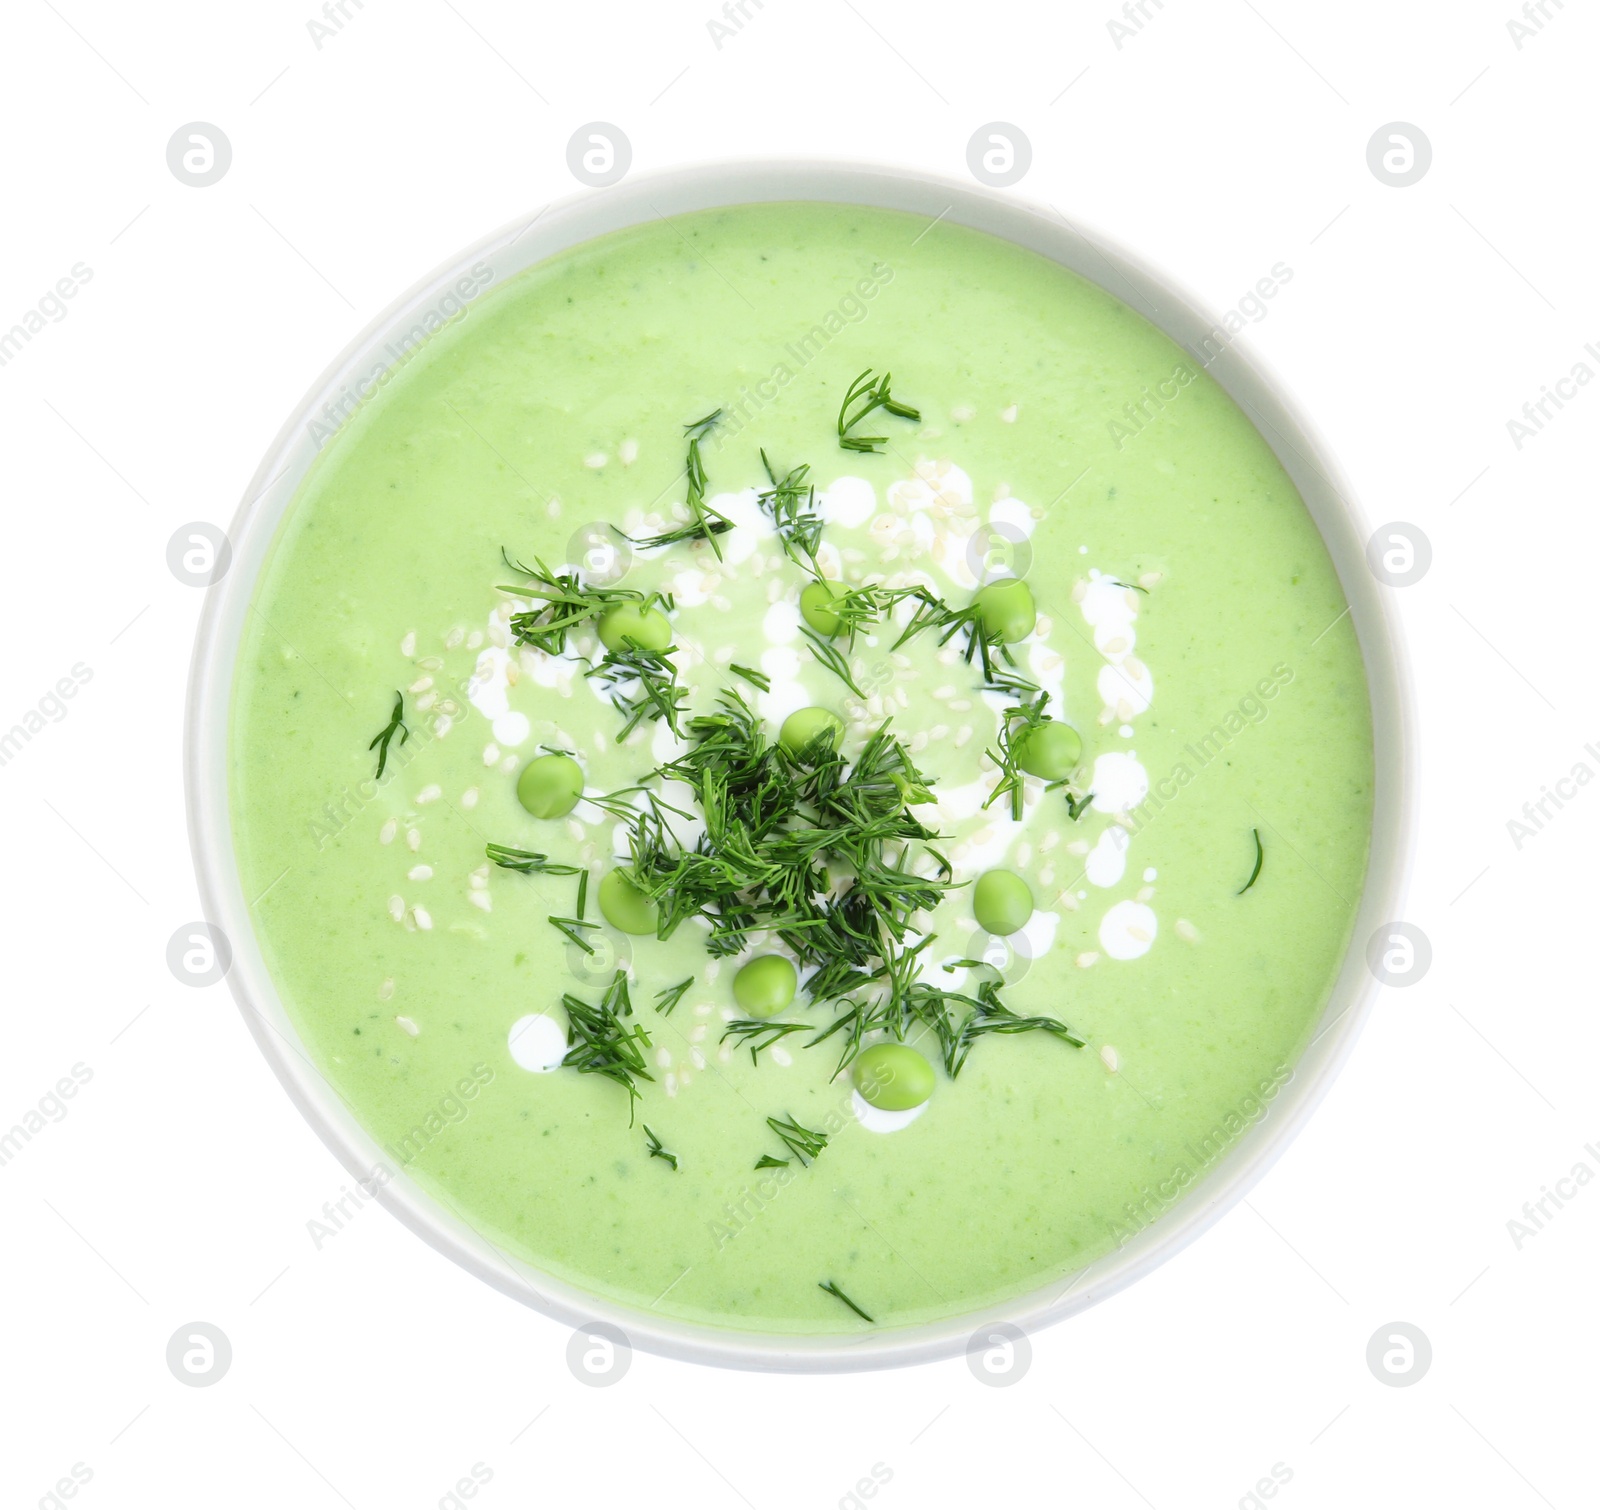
519,246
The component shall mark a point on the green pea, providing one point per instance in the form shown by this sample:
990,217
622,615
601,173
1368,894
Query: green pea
814,600
549,787
624,906
1002,901
801,727
893,1077
646,627
765,986
1052,750
1007,610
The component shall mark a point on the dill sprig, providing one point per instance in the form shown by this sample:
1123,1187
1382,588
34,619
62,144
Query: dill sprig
656,1150
757,679
668,999
569,602
805,1143
832,1289
868,394
766,1161
831,658
642,683
529,863
1254,874
381,739
791,504
600,1043
1077,806
570,926
705,523
755,1033
1016,725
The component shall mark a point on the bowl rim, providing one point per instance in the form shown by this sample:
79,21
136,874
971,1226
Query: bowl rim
1265,400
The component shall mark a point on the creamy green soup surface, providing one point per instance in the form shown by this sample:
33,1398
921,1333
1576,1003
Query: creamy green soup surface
1168,660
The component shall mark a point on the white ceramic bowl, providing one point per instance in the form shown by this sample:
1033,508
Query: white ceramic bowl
639,199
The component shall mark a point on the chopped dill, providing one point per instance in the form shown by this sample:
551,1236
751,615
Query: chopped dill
831,659
380,740
791,504
832,1289
530,864
569,603
757,679
656,1150
705,523
766,1161
583,891
668,999
1077,806
569,926
803,1142
1256,835
642,683
757,1033
869,394
601,1044
1016,725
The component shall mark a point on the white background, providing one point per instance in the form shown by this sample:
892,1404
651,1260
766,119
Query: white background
1222,138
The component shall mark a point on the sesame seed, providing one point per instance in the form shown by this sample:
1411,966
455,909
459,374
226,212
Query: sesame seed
426,701
420,873
963,734
481,900
454,637
1186,931
387,832
1087,958
406,1025
628,452
413,839
553,508
469,798
960,705
408,646
1008,416
491,753
386,988
780,1055
423,918
430,663
595,460
1110,1058
397,908
430,793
